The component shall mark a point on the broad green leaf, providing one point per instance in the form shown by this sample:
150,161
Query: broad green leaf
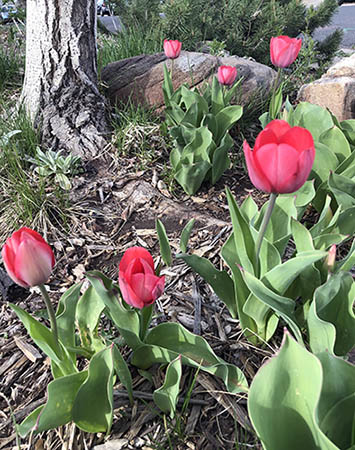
220,160
279,228
210,122
58,409
348,262
334,304
175,158
226,118
313,117
197,149
167,341
190,177
324,241
122,371
167,86
345,222
325,218
337,400
40,334
335,139
93,406
185,235
348,128
126,320
217,100
165,249
219,280
283,400
88,312
283,306
343,189
230,92
249,209
301,236
325,161
66,316
230,256
321,333
166,396
303,196
243,238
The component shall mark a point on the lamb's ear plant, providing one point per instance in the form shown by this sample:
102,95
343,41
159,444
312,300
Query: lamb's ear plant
199,123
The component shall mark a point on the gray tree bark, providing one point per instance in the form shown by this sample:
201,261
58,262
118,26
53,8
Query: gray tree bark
60,90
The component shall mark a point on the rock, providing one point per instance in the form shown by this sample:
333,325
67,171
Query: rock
140,78
335,90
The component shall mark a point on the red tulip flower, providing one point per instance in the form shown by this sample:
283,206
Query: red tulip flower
172,49
28,258
284,50
139,285
282,158
226,75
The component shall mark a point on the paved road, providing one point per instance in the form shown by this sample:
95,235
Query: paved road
345,19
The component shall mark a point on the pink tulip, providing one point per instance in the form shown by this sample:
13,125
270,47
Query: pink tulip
226,75
28,258
172,49
284,50
282,158
139,285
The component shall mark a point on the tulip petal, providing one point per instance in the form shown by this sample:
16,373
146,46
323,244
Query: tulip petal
278,162
33,261
296,180
278,127
256,176
298,138
133,253
8,257
128,294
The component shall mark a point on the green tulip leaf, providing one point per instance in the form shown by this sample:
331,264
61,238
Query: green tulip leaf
347,263
334,304
88,312
249,209
348,128
66,316
93,406
321,333
283,400
167,341
243,237
122,371
325,161
219,280
303,196
217,100
166,396
40,334
190,177
281,305
230,256
58,409
226,118
125,319
334,138
165,249
220,159
313,117
167,86
337,400
343,189
185,235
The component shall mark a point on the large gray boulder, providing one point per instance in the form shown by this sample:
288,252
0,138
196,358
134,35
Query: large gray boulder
335,90
140,78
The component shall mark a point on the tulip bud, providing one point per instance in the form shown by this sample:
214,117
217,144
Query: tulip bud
284,50
28,258
139,285
330,261
172,49
282,158
226,75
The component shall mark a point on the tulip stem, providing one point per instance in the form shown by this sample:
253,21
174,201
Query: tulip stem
51,315
264,225
171,71
145,317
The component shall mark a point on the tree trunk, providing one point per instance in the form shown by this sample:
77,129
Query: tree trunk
60,90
